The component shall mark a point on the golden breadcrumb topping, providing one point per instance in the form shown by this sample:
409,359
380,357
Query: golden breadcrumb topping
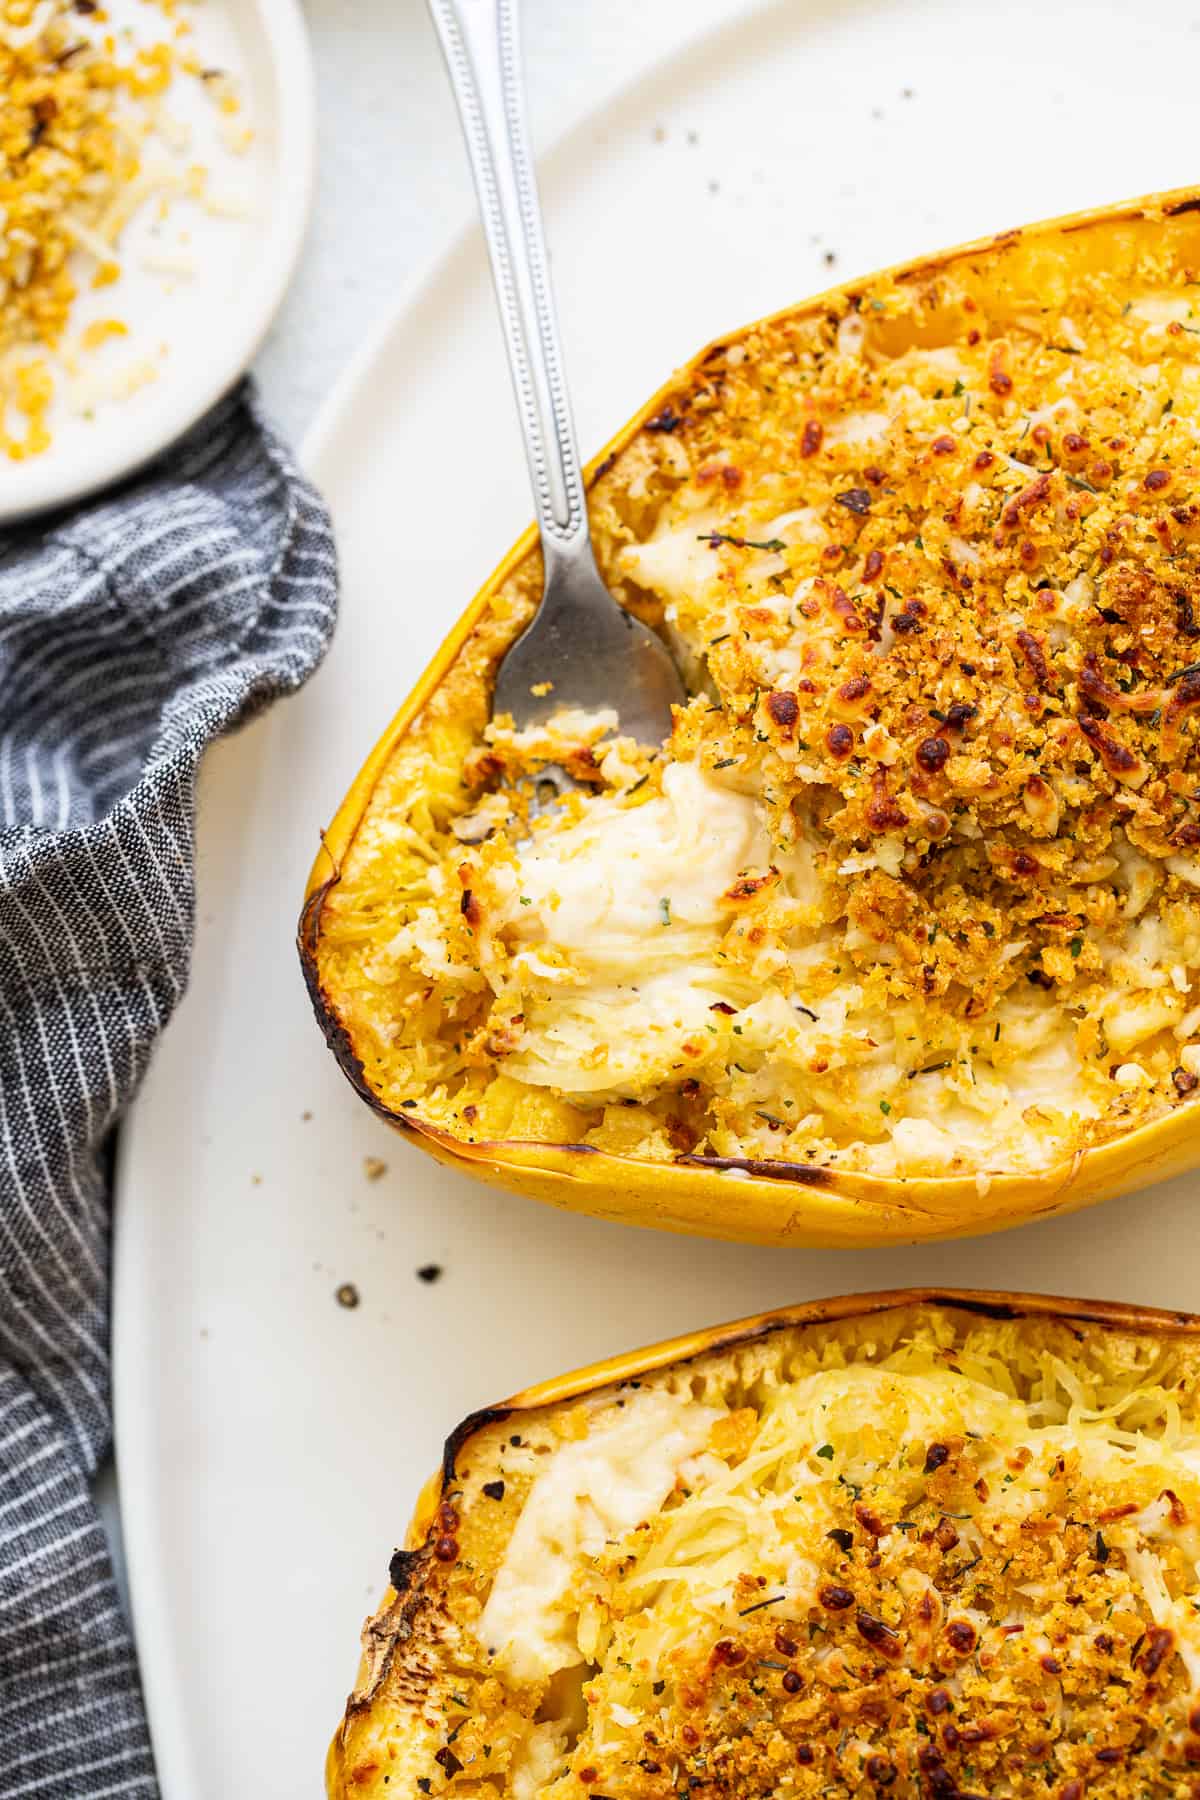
913,886
80,106
922,1558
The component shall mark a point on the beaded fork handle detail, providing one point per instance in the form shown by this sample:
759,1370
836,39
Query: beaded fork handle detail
480,44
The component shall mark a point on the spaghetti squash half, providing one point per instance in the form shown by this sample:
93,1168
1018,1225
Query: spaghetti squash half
906,913
903,1545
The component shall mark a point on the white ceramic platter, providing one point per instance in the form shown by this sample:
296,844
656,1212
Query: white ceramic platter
201,277
271,1441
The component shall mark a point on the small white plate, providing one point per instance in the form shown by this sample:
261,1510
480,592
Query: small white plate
270,1442
198,289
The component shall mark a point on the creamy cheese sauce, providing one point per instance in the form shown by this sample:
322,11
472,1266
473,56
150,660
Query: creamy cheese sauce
627,883
619,918
592,1492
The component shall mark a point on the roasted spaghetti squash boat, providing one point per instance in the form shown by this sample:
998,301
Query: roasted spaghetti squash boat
900,1544
899,935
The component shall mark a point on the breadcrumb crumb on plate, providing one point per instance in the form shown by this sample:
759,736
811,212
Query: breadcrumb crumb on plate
155,171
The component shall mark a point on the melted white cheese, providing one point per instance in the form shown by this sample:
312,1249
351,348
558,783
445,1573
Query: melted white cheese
679,563
538,1761
591,1493
620,917
637,881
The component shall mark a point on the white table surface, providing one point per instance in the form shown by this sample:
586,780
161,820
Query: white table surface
393,188
392,183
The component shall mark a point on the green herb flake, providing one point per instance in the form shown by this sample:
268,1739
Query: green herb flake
740,543
757,1607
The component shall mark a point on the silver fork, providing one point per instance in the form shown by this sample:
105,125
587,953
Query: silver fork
580,641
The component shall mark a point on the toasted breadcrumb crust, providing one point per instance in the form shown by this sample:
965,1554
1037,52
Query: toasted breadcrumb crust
930,554
80,103
986,1588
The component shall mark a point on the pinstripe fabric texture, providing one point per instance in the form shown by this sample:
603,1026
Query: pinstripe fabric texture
131,634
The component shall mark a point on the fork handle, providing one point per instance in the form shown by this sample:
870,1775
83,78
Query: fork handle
480,44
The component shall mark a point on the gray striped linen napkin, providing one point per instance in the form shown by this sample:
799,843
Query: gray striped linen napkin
131,633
